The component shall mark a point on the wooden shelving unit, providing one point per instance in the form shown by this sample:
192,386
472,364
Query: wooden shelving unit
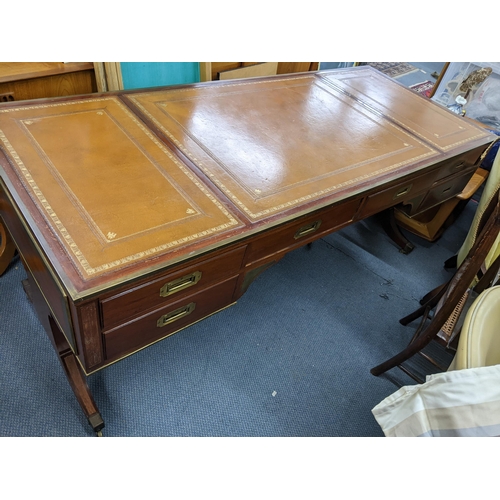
27,80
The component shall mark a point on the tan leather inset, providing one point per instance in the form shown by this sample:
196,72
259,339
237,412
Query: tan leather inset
111,191
282,143
429,121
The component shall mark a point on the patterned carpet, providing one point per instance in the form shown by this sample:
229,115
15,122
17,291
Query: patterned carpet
424,88
393,69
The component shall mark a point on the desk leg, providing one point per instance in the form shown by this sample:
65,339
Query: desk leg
389,225
7,248
72,368
77,379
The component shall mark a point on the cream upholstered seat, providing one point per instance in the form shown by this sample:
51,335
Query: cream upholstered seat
479,343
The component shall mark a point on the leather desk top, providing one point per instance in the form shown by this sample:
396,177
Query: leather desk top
119,184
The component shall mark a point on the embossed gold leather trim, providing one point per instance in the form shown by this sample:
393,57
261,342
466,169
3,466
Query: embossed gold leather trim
291,203
411,95
85,266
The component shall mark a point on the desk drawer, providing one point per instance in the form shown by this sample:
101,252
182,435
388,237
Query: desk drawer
445,190
169,287
301,231
167,320
413,191
454,166
394,195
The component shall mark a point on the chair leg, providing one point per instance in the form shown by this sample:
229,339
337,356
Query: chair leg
434,293
488,278
417,345
421,326
432,301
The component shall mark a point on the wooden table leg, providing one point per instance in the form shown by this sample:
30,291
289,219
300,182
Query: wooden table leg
388,222
77,379
7,248
72,369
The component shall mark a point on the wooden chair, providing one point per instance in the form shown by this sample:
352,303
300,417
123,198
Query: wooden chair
491,190
446,298
478,263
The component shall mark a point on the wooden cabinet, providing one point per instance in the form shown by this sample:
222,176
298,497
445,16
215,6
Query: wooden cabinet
19,81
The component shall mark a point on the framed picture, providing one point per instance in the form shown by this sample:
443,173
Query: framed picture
477,87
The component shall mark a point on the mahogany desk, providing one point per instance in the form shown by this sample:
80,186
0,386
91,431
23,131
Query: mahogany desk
139,213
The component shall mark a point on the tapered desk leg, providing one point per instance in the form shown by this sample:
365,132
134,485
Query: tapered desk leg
72,368
389,225
76,378
7,248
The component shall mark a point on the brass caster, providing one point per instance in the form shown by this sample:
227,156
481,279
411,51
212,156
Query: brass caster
97,423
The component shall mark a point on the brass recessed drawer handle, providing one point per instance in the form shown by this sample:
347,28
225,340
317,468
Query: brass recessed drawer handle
446,190
460,165
180,284
306,230
172,316
404,191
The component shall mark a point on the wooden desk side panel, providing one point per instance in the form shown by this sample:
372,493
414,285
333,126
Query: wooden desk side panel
88,334
38,266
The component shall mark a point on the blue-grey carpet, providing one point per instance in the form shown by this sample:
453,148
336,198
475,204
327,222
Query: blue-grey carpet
291,358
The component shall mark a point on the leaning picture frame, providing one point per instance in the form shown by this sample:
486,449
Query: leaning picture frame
481,94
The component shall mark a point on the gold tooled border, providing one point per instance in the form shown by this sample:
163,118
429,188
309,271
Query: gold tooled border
411,95
269,211
58,225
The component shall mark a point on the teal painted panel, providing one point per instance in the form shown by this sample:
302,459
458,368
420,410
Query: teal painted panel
138,75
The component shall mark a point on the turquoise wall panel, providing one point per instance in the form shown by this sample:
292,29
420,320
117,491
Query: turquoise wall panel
137,75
